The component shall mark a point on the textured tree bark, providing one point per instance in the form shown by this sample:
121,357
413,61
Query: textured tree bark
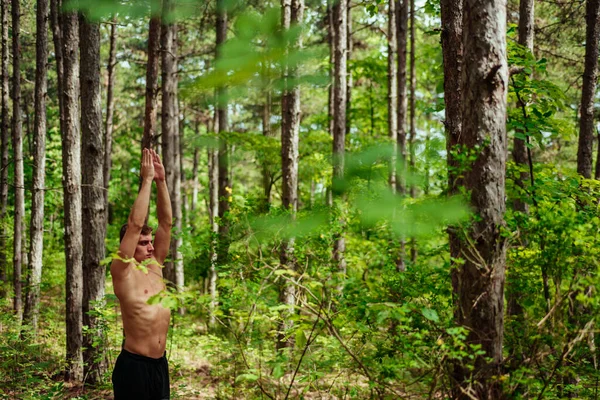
154,40
349,81
36,227
413,129
93,204
292,14
170,139
478,283
196,161
223,160
340,71
17,140
110,110
4,135
71,153
590,77
526,14
401,8
452,51
213,212
392,42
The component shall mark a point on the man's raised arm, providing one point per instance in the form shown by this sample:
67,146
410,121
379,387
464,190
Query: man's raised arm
137,217
164,213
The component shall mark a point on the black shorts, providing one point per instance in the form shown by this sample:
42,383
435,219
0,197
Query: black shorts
138,377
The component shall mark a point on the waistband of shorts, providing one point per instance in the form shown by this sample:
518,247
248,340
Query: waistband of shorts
139,357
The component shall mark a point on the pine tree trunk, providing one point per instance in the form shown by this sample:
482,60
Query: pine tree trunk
401,8
478,283
194,199
71,154
349,82
292,14
392,71
590,77
36,228
110,110
452,51
154,40
526,14
170,140
223,161
340,25
4,136
93,205
413,129
17,140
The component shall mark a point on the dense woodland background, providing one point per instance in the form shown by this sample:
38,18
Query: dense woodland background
371,199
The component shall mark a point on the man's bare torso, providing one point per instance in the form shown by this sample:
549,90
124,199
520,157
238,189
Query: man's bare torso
145,325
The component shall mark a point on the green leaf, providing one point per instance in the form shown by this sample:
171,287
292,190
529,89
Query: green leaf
430,314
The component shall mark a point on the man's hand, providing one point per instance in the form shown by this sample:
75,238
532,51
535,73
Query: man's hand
159,168
148,171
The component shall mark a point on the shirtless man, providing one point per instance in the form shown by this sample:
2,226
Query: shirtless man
141,371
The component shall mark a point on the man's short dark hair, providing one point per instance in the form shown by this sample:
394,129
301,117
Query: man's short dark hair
146,230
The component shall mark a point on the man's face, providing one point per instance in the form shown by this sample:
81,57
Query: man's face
144,249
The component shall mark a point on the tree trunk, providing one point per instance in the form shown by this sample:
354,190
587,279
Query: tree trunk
4,135
586,122
194,199
526,15
413,129
36,229
292,14
154,40
17,137
94,213
332,42
213,212
223,161
349,82
71,154
401,8
110,109
340,25
392,43
170,139
452,52
478,283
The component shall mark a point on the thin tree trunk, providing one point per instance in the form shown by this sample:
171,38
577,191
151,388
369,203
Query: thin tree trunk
93,204
332,42
110,110
223,126
349,82
590,77
478,283
71,154
4,150
194,199
526,35
292,14
36,229
392,43
413,129
526,14
213,212
452,51
17,137
340,15
170,139
154,40
401,8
